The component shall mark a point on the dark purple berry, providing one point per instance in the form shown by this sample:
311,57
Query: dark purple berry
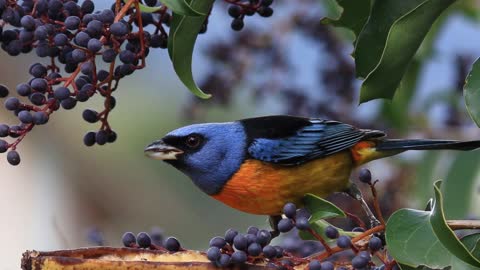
78,55
82,38
265,11
328,266
254,249
87,6
90,116
12,103
68,103
40,85
234,11
4,130
40,118
72,22
61,93
172,244
3,91
94,28
213,254
230,235
279,251
218,242
109,55
94,45
112,136
289,210
314,265
375,243
269,252
38,70
129,239
224,260
302,224
101,137
237,24
285,225
28,22
365,176
40,33
240,242
89,138
37,99
239,257
331,232
263,237
344,241
13,158
24,89
127,57
119,29
3,146
25,117
252,230
143,240
359,262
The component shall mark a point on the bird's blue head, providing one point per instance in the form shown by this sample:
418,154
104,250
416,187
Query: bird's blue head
208,153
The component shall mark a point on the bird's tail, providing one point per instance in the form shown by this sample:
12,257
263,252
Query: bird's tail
426,144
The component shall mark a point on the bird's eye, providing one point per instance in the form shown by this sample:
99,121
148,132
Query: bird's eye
193,141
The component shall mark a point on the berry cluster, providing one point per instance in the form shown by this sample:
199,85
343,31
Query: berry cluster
154,241
74,37
239,9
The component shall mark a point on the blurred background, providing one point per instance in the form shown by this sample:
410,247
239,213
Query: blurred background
64,194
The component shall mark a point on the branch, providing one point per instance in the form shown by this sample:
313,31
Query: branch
96,258
463,224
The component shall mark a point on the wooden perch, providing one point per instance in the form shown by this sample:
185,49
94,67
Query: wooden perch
109,258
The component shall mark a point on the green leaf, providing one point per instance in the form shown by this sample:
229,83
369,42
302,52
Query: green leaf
320,226
185,8
181,41
395,112
412,242
180,7
461,179
443,232
351,14
383,50
471,92
332,9
471,242
320,208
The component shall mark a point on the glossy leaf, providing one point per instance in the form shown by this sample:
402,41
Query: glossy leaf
471,92
395,112
461,180
320,208
181,41
319,227
419,239
472,243
383,52
412,242
443,232
351,14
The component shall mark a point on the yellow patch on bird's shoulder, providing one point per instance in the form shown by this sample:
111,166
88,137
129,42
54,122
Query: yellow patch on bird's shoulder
264,188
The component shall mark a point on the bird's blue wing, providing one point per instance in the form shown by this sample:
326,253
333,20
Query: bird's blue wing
318,139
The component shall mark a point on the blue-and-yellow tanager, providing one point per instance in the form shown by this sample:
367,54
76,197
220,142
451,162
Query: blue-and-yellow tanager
257,165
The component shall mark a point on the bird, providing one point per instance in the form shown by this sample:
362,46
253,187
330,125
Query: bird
257,165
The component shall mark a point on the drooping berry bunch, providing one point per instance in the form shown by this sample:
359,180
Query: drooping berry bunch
74,38
239,9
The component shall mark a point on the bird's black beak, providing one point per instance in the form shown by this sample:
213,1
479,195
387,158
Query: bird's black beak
162,151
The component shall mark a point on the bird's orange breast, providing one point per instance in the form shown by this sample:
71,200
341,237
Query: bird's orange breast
264,188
